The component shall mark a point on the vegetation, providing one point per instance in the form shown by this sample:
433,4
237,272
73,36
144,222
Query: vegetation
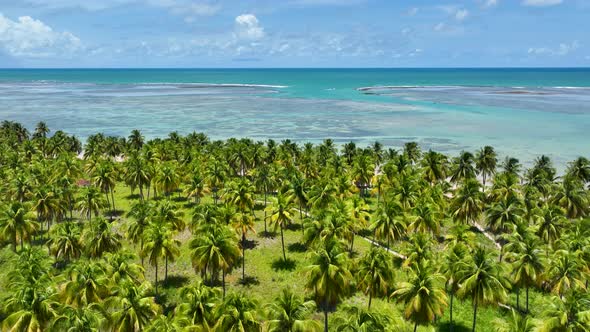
126,234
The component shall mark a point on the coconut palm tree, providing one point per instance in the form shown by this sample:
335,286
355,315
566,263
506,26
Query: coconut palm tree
463,167
467,205
290,312
579,169
17,223
328,276
423,294
167,213
131,308
159,243
549,221
453,269
388,223
100,237
136,173
565,273
359,213
139,216
482,282
375,273
572,198
120,267
360,319
198,305
505,213
434,167
238,314
64,241
426,218
90,202
86,283
280,216
79,319
527,264
105,177
215,249
571,313
514,323
485,162
31,307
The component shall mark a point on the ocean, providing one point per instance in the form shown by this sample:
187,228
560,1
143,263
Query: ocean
522,112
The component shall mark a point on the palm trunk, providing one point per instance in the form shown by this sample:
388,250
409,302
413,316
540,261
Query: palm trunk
223,282
113,201
166,270
325,316
244,257
474,313
517,299
156,278
370,300
352,244
283,244
415,326
451,312
527,298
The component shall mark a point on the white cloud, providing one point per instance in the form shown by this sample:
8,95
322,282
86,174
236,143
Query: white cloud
28,37
490,3
461,14
541,3
327,2
248,27
413,11
439,27
561,50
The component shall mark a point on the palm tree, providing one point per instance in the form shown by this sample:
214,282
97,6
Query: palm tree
569,314
159,243
388,223
166,213
30,308
359,214
453,268
64,241
485,163
527,264
514,323
139,214
572,198
120,267
467,205
215,249
99,237
238,314
167,178
579,169
375,273
549,222
280,216
565,273
244,223
199,303
90,202
423,295
360,319
17,223
78,319
328,276
135,139
426,218
137,173
289,312
105,178
86,283
482,282
131,307
463,167
434,166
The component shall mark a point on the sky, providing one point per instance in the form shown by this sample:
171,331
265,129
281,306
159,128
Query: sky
294,33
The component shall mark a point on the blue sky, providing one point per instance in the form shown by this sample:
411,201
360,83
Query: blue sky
294,33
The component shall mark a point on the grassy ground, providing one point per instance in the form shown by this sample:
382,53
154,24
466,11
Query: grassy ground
268,274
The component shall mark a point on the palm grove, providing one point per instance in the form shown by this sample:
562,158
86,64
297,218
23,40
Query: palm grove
358,239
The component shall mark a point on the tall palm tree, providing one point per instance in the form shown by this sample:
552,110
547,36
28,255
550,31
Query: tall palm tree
168,214
434,167
328,276
290,312
467,205
423,294
388,223
527,264
105,177
215,249
78,319
375,273
199,303
86,283
131,307
579,169
64,241
139,216
483,281
159,243
17,223
100,237
31,308
516,322
359,214
238,314
569,314
565,273
361,319
463,167
90,202
549,221
486,160
280,216
244,223
572,198
453,269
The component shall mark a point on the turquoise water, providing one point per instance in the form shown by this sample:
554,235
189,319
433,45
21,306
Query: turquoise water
522,112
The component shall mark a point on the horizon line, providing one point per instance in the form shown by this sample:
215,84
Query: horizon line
258,68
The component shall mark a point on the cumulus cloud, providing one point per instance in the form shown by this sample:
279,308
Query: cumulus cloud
248,27
28,37
561,50
490,3
541,3
461,14
413,11
440,26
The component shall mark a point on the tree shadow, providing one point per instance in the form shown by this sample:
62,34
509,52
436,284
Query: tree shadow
189,205
258,206
284,265
446,326
296,247
175,281
116,213
365,233
293,227
132,196
179,199
268,235
249,244
248,281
